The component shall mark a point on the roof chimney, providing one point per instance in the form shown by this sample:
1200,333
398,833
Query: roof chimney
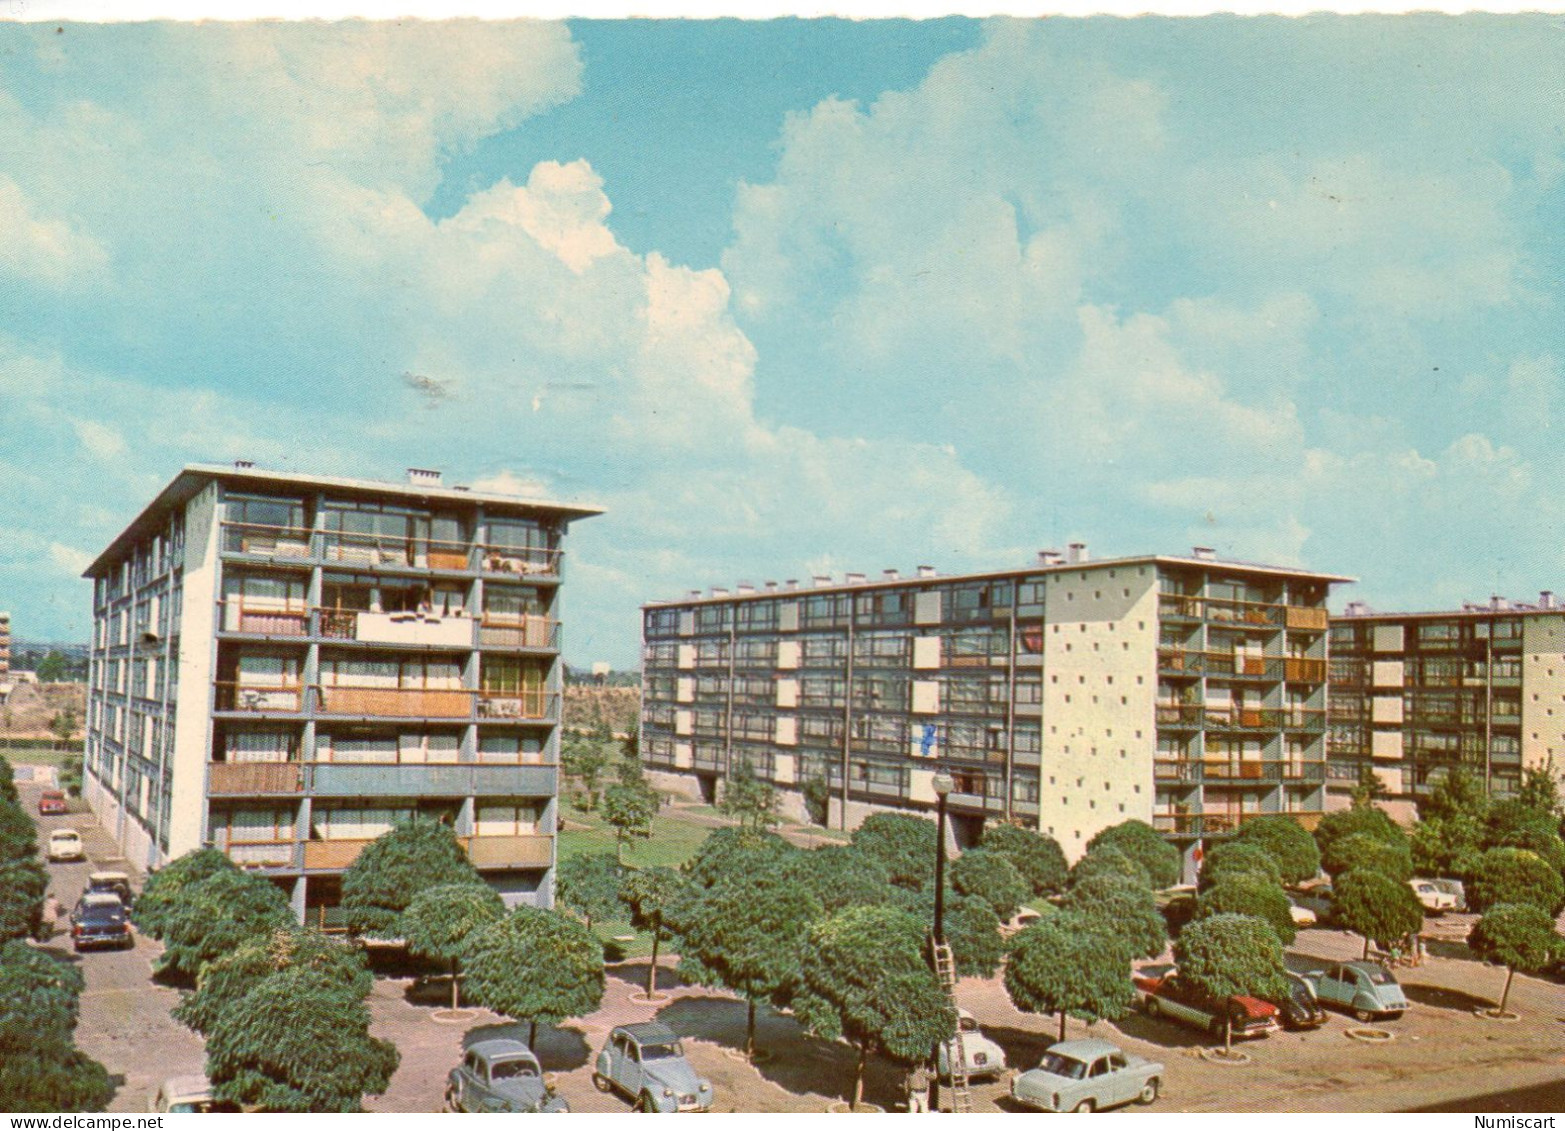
423,477
243,464
926,571
771,586
1546,599
821,580
890,575
1355,609
744,587
1076,553
1498,604
791,583
695,594
719,591
1050,558
854,579
1203,553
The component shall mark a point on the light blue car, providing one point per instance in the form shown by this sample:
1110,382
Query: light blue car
647,1063
1363,989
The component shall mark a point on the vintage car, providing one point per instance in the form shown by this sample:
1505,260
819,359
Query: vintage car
188,1095
1435,900
1301,916
1166,995
51,801
1320,900
1361,988
101,920
983,1057
1455,889
1298,1009
110,883
65,844
501,1076
647,1063
1087,1076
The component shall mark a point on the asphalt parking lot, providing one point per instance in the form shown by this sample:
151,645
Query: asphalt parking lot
1441,1057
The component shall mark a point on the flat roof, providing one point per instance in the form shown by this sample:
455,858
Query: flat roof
1449,614
1160,560
194,477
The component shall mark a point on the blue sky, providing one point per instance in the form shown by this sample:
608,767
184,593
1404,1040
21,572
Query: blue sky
803,296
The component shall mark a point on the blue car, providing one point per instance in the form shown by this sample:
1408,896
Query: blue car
1363,989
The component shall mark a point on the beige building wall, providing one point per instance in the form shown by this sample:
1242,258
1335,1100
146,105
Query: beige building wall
1543,693
197,648
1099,693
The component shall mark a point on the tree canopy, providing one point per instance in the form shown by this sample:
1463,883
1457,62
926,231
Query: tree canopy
1518,936
840,875
225,981
1064,964
211,917
1514,875
971,928
585,759
165,888
1146,846
1361,819
1229,954
1240,858
1037,857
649,894
1246,893
1382,909
991,877
23,884
903,843
588,884
1287,842
732,854
748,798
395,867
444,922
298,1041
1124,910
537,966
1457,794
1366,852
1109,862
40,1070
629,805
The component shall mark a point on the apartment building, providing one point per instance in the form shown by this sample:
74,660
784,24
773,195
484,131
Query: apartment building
1067,696
1414,695
5,645
286,666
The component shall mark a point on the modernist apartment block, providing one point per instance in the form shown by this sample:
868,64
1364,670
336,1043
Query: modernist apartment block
1415,695
1069,696
286,666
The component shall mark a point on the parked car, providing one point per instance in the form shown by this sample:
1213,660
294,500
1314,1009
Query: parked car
187,1095
1299,1009
101,920
1302,916
65,844
984,1058
1320,900
501,1076
1364,989
1167,995
1455,888
1087,1076
1435,900
646,1062
110,883
51,801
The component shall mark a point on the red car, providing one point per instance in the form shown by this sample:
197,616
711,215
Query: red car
51,801
1166,995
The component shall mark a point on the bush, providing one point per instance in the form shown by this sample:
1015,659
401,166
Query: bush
1287,842
989,876
1038,858
1238,858
1514,875
1147,847
1245,893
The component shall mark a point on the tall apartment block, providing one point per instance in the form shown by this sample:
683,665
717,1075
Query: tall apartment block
1414,695
286,666
1067,697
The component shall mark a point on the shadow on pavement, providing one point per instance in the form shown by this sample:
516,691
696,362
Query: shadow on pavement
557,1050
1160,1031
1440,998
635,974
1538,1097
1443,948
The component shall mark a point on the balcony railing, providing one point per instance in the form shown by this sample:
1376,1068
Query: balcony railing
496,852
329,855
1304,671
520,561
273,543
263,853
380,551
373,779
1184,715
523,632
265,618
1308,619
517,704
261,698
252,778
397,702
1219,823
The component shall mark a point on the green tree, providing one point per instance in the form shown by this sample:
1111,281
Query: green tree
1146,846
23,884
64,727
648,893
748,798
1037,857
989,876
971,928
1365,852
18,836
1109,862
395,867
1382,909
1457,794
588,884
444,922
864,980
39,1068
537,966
212,917
1366,788
1239,858
1065,964
1231,954
1446,846
298,1042
730,854
839,875
817,798
225,981
1540,789
749,939
1344,823
1287,842
629,806
904,844
1518,936
1123,909
584,759
54,1077
165,888
8,783
1534,831
1246,893
53,668
1514,875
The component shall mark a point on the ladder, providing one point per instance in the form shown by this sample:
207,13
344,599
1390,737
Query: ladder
945,970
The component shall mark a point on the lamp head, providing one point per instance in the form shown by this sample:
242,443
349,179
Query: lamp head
943,784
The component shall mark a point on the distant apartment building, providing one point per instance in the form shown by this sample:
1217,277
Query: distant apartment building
286,666
5,645
1067,696
1415,695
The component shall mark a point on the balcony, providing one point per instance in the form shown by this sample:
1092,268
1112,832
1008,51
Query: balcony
331,855
416,629
519,561
397,702
1242,718
504,705
265,619
522,632
345,779
263,853
1304,671
268,543
255,778
259,698
1309,620
385,551
490,853
1180,715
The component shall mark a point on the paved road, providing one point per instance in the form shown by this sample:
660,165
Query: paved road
125,1022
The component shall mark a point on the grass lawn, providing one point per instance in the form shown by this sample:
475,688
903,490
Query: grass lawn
36,752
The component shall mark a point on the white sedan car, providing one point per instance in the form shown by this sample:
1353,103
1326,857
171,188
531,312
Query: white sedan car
1434,899
65,844
984,1058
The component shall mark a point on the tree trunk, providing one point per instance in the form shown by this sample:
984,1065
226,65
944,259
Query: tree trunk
1062,1024
749,1031
454,983
1228,1034
858,1075
652,970
1366,946
1510,972
532,1037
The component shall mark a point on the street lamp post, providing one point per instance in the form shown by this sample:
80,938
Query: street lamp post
942,786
